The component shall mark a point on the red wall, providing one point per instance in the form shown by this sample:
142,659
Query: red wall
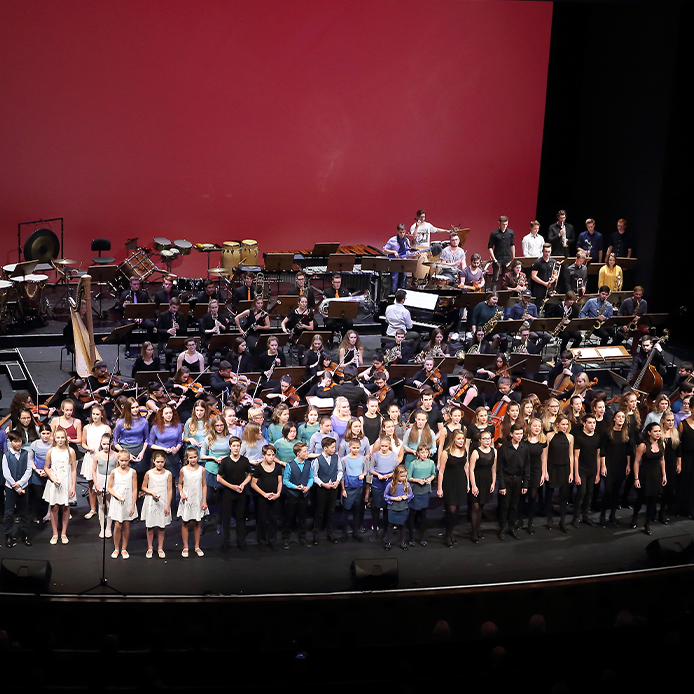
285,122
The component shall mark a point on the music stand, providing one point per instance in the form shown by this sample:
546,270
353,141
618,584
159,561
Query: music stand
470,299
306,338
115,336
525,363
375,263
546,325
281,308
340,262
102,275
220,343
24,268
540,389
510,327
473,362
323,250
447,365
178,343
398,371
653,319
142,378
140,311
401,265
244,306
182,308
282,339
289,300
279,262
296,373
343,309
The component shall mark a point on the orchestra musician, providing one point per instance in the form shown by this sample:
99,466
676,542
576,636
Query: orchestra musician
268,360
541,272
600,309
245,292
209,292
455,256
429,376
303,288
239,357
398,318
501,247
567,310
398,246
337,291
212,323
284,392
639,360
399,350
635,306
561,235
170,323
167,291
533,242
527,311
381,390
134,295
465,392
480,343
577,275
514,279
422,230
221,380
252,322
620,242
591,241
611,275
484,312
298,321
565,366
190,357
351,350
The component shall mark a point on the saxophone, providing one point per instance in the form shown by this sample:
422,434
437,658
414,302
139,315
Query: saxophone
633,323
598,323
489,325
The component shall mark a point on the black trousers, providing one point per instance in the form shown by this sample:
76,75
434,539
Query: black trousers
325,508
295,507
584,492
508,503
233,503
16,503
267,518
566,337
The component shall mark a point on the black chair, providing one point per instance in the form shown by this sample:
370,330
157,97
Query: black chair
102,245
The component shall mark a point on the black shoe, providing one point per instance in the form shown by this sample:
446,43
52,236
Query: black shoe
423,543
449,542
27,541
515,534
403,546
362,529
501,535
648,530
589,521
10,541
632,525
272,546
531,530
285,544
563,528
358,538
332,539
550,524
576,523
303,542
316,541
603,522
345,537
412,543
387,546
243,547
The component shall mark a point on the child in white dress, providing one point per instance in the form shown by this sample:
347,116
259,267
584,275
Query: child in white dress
156,508
91,442
192,488
103,464
61,470
122,486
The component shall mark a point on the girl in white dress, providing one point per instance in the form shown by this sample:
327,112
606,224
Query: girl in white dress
61,470
122,486
156,508
103,464
192,488
91,441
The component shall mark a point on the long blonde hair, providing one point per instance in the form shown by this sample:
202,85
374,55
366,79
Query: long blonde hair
212,432
674,431
399,469
546,414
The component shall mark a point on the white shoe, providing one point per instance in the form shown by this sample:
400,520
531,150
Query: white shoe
101,535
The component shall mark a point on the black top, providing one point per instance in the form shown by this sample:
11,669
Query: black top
553,237
372,427
294,318
544,271
140,297
512,461
267,481
165,322
621,243
307,292
501,242
140,365
234,471
615,451
577,278
589,447
242,294
355,395
162,297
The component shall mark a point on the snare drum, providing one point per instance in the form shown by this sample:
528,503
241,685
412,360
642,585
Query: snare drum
161,244
249,252
231,255
183,247
30,292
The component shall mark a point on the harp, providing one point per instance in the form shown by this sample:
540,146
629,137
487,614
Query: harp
85,349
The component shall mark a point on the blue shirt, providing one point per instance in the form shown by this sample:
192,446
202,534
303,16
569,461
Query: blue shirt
286,477
591,244
517,310
131,437
593,306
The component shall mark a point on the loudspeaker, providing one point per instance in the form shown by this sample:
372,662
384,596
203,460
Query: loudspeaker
677,549
374,574
25,576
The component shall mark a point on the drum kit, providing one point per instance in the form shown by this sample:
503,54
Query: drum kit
22,289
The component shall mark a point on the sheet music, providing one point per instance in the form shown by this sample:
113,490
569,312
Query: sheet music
422,300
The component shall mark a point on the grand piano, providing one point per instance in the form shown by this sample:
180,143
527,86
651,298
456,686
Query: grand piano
437,307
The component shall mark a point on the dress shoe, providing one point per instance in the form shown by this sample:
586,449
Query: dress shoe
563,528
449,542
285,544
648,530
10,541
27,541
412,543
332,539
387,546
576,523
404,546
358,538
589,521
515,534
303,541
423,543
603,522
316,540
501,534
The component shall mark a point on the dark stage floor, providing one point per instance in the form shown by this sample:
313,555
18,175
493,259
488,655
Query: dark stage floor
326,568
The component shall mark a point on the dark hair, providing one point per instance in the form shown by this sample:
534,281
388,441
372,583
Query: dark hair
287,428
267,448
327,441
14,437
299,446
604,288
400,295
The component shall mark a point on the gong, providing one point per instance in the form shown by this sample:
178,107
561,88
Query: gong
42,245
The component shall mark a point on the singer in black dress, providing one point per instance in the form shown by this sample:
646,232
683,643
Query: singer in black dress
557,469
649,474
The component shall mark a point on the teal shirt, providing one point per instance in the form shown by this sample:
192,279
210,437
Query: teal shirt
306,431
285,450
420,470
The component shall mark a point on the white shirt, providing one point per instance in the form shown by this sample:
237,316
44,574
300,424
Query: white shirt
532,245
422,234
397,317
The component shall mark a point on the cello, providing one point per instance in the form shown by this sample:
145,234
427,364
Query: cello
499,412
648,383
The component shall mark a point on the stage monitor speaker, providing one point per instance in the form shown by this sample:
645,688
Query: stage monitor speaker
676,549
374,574
25,576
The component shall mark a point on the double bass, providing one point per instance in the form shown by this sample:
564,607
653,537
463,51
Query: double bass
648,382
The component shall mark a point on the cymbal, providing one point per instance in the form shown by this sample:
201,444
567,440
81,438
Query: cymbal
432,263
64,261
218,271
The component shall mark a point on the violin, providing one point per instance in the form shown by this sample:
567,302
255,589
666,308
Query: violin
383,392
292,396
435,380
112,380
38,410
252,402
567,406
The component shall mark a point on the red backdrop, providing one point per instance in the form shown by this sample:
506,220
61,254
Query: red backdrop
285,122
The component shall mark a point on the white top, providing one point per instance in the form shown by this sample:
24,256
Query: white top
532,245
153,509
422,234
398,317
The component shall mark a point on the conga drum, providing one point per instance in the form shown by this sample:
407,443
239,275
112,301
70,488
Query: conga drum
249,252
231,255
161,244
183,246
422,271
